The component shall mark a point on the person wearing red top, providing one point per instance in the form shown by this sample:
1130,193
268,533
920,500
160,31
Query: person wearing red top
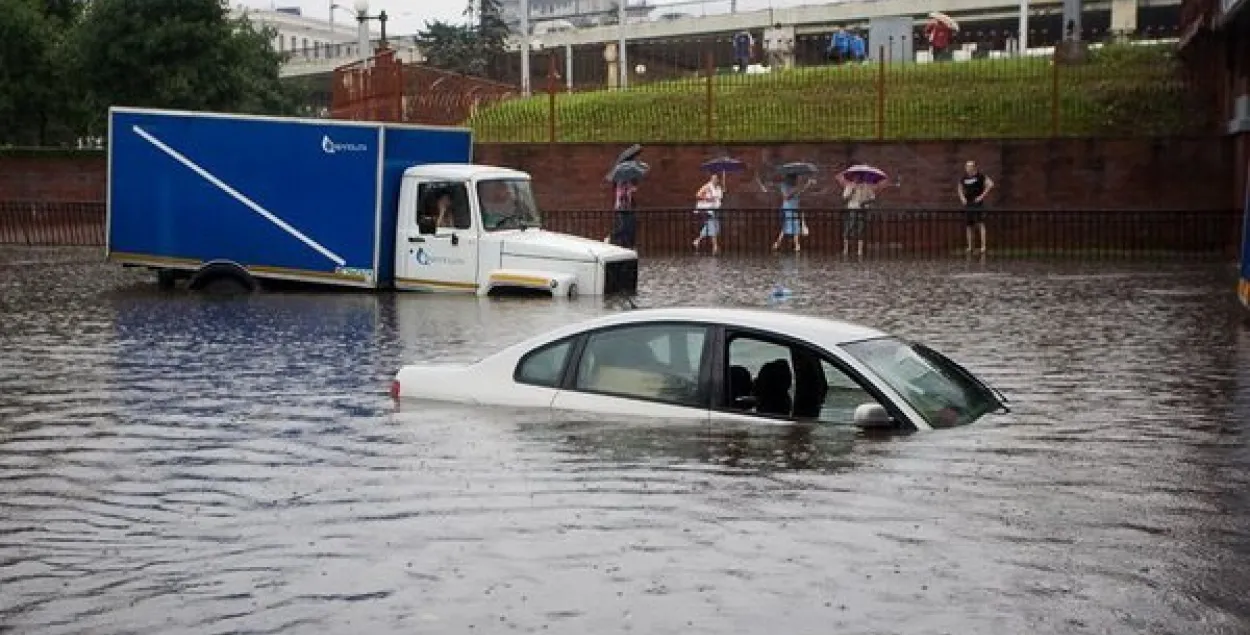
939,36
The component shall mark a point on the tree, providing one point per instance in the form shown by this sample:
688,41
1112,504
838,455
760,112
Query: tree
449,47
37,89
465,49
185,54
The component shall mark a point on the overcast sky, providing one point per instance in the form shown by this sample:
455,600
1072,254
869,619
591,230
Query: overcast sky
409,16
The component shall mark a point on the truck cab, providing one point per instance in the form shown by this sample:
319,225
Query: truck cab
473,228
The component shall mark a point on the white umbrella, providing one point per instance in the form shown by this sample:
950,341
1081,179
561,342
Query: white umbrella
945,19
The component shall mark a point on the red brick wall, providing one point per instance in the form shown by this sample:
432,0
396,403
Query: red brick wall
1049,174
54,177
1164,174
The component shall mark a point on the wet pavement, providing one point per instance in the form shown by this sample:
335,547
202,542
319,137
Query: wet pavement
171,463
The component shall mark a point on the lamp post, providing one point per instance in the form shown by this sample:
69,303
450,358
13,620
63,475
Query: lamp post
525,47
362,31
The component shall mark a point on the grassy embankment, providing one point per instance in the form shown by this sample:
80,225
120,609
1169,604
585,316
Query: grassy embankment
1119,91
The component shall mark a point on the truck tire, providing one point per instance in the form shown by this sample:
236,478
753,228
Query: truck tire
224,278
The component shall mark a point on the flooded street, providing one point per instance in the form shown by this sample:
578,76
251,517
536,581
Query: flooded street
172,463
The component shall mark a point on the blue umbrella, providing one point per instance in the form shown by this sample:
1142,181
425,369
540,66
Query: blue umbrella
723,165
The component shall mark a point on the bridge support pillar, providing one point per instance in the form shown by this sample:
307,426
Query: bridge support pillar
1123,18
609,56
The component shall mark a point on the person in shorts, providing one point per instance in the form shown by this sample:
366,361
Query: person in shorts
973,187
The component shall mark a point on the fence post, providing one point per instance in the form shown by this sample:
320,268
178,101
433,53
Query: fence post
551,97
881,93
1054,97
710,66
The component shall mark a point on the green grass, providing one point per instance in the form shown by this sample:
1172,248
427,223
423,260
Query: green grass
1119,91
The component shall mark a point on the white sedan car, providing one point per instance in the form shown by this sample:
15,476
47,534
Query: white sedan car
718,364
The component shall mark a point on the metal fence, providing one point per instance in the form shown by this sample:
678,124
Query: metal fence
692,90
51,223
889,233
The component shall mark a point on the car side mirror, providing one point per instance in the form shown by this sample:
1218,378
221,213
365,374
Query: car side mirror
427,225
872,416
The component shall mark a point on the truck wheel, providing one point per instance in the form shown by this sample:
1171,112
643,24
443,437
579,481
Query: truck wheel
222,278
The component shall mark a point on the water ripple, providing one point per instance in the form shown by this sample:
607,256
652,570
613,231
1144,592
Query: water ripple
170,463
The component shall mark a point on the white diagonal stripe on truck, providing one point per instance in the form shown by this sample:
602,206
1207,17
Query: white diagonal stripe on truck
221,185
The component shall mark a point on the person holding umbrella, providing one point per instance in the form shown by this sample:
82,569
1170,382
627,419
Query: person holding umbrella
792,225
860,184
625,176
711,196
940,30
708,200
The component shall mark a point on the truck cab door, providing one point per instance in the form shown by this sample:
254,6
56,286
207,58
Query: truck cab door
436,249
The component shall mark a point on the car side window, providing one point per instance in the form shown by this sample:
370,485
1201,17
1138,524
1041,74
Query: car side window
659,362
774,378
430,211
544,366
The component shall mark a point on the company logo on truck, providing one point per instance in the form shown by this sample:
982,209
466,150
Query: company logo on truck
329,146
424,259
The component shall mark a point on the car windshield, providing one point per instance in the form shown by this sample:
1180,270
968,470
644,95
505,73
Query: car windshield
507,204
943,392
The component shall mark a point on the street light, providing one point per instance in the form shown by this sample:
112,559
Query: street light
363,17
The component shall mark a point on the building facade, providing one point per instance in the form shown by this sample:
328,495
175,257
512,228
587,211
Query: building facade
309,39
578,13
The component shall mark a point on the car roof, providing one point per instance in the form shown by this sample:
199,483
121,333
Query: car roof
464,171
811,328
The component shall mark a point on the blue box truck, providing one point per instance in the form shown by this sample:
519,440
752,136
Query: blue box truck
226,201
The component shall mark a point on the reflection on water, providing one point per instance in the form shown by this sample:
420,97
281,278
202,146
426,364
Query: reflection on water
170,463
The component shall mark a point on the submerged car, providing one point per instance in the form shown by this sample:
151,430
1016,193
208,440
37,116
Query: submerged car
718,364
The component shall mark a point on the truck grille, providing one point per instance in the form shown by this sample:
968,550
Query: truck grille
620,277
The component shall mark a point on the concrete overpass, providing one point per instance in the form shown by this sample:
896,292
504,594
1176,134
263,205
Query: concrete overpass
813,19
806,20
300,67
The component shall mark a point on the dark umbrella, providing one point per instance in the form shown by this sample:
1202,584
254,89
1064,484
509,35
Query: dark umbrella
723,165
797,168
628,171
629,154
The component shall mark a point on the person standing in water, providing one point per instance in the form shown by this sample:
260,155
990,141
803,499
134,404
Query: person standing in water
709,199
625,225
859,196
791,218
972,189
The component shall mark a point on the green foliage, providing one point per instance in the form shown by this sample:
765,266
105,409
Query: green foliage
1119,91
74,59
36,87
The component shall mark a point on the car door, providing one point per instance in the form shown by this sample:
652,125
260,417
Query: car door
767,377
434,255
653,370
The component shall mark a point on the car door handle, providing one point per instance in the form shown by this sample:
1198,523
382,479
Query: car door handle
416,239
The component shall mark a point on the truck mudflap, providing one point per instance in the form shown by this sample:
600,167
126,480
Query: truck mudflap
557,284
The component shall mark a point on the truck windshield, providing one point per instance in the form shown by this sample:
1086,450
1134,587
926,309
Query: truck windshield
507,204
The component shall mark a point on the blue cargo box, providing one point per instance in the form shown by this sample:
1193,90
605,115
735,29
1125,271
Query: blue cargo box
299,199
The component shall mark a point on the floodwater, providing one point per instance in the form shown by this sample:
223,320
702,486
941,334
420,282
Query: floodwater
171,463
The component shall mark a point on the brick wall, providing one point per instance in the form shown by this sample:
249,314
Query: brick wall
1164,174
1048,174
53,177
